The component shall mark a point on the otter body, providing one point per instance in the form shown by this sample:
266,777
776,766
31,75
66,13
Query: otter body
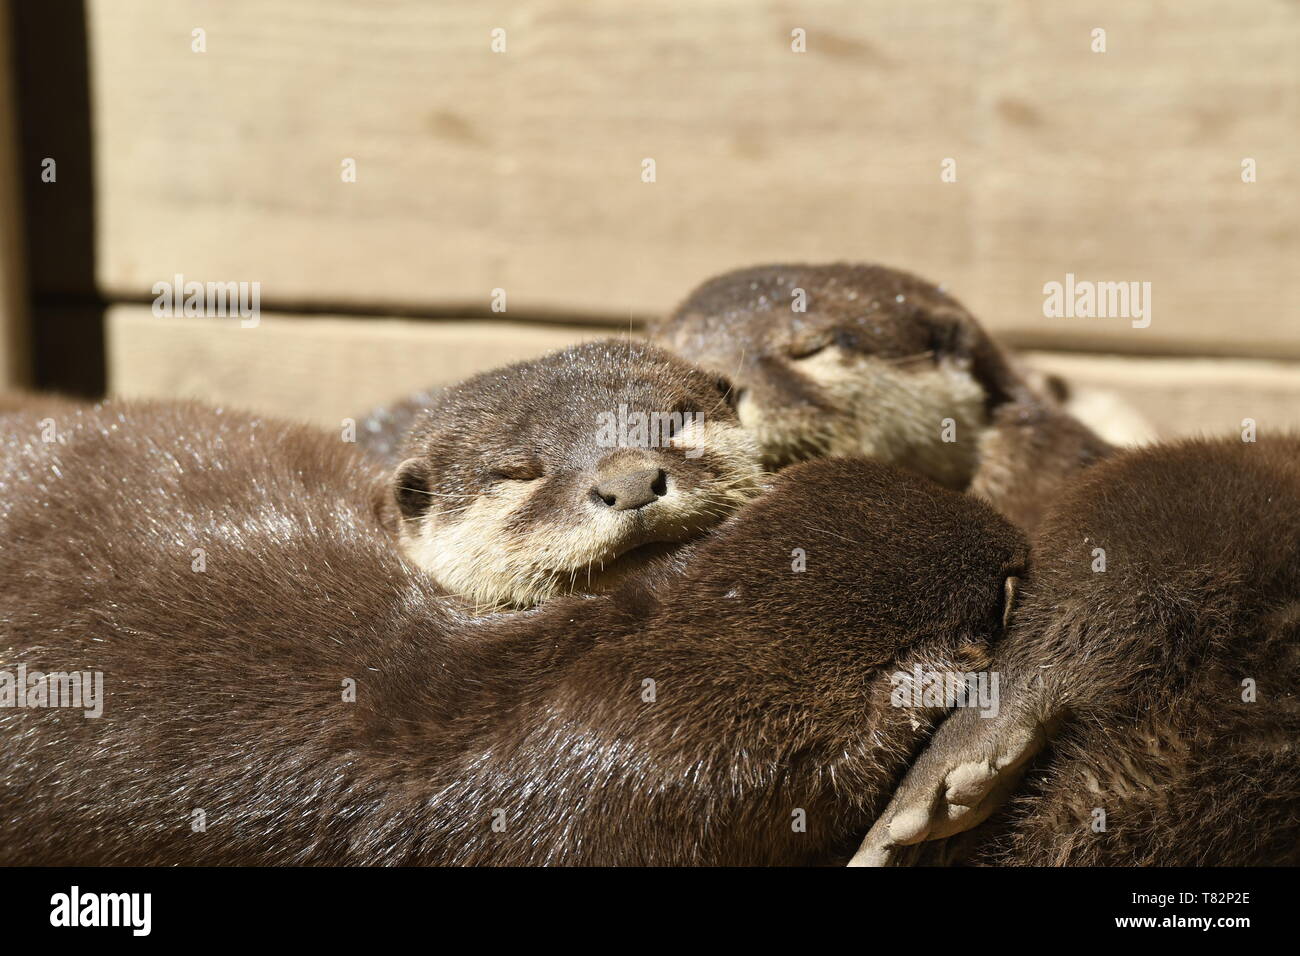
864,360
1155,655
304,695
382,431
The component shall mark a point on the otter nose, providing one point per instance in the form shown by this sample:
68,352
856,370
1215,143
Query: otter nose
634,489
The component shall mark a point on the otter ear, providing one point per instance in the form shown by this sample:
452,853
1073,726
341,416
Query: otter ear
410,486
1010,589
956,336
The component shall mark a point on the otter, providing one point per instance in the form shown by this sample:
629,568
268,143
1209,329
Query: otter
865,360
307,696
1152,705
568,472
382,431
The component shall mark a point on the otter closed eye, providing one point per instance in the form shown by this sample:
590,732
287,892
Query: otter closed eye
808,351
523,472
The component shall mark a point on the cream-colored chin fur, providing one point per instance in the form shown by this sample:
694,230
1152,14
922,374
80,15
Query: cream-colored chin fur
889,411
477,556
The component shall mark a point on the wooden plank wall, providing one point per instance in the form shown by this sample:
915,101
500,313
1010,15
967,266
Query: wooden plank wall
522,170
326,368
322,368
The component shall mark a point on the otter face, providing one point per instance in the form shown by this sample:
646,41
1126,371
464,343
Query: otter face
566,473
847,360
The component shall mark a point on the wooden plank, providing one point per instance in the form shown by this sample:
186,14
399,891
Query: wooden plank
1127,166
521,170
320,369
326,368
15,339
1180,397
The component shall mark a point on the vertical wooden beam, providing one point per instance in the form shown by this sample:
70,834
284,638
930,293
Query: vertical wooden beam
15,338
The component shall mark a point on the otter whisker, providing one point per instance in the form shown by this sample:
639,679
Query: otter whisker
432,494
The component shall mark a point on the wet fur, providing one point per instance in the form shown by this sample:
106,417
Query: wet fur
382,431
1142,666
224,687
895,356
500,542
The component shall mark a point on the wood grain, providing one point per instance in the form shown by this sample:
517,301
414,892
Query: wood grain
521,170
1184,397
326,368
320,369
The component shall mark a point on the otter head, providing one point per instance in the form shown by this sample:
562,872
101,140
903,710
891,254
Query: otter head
847,360
565,473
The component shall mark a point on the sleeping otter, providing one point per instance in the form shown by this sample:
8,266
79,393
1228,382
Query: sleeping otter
382,431
864,360
306,696
568,472
1165,683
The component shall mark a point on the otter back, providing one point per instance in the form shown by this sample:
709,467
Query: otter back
305,696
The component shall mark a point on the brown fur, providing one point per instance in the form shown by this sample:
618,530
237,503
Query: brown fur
382,431
743,320
1136,673
1146,660
1029,454
224,687
507,496
909,347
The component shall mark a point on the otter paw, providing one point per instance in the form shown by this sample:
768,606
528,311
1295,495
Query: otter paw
969,770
